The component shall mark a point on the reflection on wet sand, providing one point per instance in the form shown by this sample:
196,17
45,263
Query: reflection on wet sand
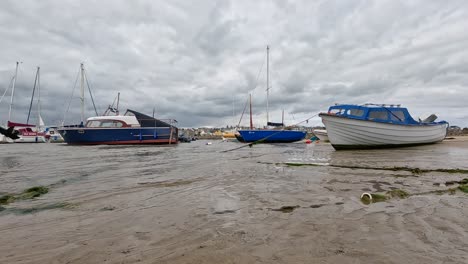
195,204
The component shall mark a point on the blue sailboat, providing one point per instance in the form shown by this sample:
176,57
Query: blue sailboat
269,135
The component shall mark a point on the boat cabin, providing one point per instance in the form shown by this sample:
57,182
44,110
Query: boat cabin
112,122
378,113
130,119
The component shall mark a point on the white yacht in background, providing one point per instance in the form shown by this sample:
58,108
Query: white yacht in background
321,134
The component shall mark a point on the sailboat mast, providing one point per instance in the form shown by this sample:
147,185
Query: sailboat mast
233,111
82,93
282,118
268,81
251,123
38,99
13,91
118,99
32,96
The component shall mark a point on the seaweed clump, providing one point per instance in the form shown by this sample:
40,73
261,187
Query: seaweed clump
27,194
36,209
398,193
6,199
34,192
286,208
463,188
377,197
374,198
294,164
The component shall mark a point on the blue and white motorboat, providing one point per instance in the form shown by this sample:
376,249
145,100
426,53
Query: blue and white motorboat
379,126
131,128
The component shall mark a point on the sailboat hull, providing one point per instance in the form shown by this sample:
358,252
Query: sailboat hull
271,136
31,139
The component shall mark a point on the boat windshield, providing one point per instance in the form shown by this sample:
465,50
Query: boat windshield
380,114
347,112
356,112
336,111
397,115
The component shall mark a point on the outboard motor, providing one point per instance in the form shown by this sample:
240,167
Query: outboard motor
429,119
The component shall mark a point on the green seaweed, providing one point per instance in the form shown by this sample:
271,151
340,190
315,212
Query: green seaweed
293,164
415,171
463,188
398,193
376,197
33,192
108,208
30,210
27,194
461,171
286,208
6,199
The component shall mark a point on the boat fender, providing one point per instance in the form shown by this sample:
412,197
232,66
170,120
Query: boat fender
308,141
366,194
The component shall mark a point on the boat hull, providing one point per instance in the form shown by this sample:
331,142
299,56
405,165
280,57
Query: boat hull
271,136
119,136
31,139
321,134
347,133
24,139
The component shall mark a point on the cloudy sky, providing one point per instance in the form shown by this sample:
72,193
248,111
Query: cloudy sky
197,61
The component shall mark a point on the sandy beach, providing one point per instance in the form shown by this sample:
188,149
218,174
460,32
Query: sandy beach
193,203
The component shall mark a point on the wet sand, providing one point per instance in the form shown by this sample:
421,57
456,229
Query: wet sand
195,204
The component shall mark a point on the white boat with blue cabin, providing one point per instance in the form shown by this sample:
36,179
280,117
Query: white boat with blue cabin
379,126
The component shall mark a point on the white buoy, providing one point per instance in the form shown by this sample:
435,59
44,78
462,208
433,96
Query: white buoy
208,143
366,194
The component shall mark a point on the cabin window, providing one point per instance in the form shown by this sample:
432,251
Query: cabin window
336,111
397,115
356,112
378,114
105,123
93,124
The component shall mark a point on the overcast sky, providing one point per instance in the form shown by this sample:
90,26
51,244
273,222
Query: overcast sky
196,61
